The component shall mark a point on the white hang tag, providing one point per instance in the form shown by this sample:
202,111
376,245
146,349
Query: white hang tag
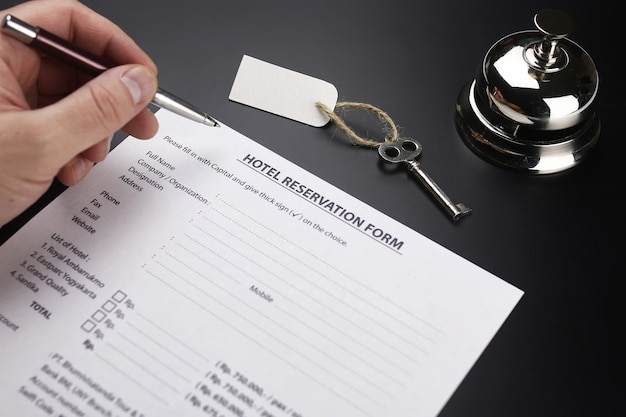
282,92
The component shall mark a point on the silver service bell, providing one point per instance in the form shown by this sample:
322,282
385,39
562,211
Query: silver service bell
532,104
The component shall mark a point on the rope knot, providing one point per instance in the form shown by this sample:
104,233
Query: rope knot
391,130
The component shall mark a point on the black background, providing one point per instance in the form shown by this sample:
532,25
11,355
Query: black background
557,237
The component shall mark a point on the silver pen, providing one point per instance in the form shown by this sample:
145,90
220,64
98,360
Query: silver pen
65,51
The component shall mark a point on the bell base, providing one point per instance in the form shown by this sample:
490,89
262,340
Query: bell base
531,155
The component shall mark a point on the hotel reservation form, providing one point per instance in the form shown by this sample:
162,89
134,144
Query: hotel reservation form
200,274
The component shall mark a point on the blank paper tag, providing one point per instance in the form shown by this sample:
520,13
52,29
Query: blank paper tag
281,91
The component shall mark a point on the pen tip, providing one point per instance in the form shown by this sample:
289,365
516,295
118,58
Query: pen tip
208,120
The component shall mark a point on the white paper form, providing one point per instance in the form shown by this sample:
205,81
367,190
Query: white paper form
200,274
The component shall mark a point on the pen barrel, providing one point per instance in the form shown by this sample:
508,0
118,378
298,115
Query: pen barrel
177,105
76,57
64,51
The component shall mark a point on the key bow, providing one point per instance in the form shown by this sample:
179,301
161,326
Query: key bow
402,150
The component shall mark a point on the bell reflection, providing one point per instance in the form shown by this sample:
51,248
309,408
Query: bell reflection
531,106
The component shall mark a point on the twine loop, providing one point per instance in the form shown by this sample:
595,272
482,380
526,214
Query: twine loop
392,131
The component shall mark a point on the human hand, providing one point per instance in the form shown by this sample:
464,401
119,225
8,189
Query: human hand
56,122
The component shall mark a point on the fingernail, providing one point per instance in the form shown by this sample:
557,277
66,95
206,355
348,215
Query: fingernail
140,84
78,170
79,166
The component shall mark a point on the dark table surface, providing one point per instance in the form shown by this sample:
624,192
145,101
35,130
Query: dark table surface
557,237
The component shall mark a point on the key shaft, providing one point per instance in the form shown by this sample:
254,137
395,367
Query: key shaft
455,210
408,150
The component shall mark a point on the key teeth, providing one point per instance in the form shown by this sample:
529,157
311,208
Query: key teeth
463,211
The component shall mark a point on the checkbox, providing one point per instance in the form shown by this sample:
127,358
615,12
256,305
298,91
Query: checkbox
88,326
108,306
119,296
98,316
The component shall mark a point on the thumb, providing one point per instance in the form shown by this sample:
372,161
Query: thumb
99,108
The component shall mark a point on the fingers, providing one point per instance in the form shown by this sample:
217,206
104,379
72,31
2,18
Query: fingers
79,167
75,22
115,99
63,135
99,151
142,126
74,171
80,25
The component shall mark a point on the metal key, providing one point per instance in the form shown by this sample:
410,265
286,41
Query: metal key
407,150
